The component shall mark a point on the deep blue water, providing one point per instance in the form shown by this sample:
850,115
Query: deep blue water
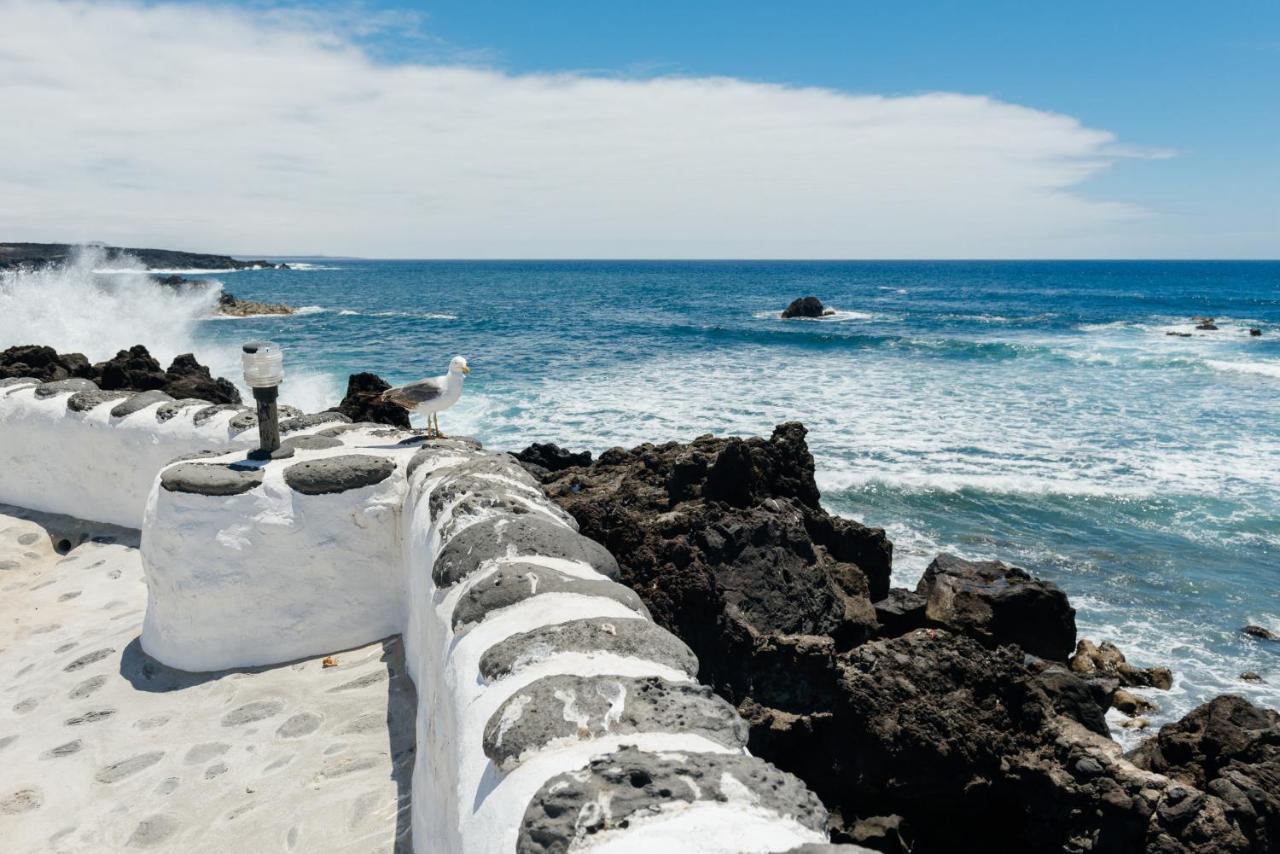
1033,412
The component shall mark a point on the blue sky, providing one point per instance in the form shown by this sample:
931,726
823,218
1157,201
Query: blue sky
1201,78
1123,130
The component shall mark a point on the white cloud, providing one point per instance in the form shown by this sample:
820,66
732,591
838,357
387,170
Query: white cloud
210,128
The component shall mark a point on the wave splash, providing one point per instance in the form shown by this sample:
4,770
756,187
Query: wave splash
99,307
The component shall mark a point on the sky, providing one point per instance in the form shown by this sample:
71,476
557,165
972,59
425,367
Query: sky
651,129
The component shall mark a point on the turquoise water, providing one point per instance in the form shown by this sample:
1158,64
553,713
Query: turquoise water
1033,412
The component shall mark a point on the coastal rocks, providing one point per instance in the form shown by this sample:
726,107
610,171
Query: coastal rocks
304,422
363,402
542,459
635,785
1260,633
43,364
187,378
999,604
232,306
83,401
566,707
1107,660
806,307
900,612
36,255
210,479
1255,333
129,370
337,474
1131,704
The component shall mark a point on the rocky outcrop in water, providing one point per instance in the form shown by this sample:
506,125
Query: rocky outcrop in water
129,370
363,402
36,255
806,307
920,718
229,304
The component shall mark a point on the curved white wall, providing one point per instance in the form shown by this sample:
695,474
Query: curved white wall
553,715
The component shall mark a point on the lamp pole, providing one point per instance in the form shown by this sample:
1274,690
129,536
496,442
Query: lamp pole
263,372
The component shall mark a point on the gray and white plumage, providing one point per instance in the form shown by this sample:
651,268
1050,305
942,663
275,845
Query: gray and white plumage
432,395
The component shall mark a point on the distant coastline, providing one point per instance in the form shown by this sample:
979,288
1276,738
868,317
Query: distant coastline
37,255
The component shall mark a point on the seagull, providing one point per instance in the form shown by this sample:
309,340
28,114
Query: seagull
432,395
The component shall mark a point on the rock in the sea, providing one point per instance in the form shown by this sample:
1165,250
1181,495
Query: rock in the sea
1260,633
1255,332
363,402
999,604
231,306
1251,676
1106,659
805,307
1131,704
1229,748
1207,326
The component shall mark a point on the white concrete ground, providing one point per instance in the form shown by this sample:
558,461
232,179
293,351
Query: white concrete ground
103,749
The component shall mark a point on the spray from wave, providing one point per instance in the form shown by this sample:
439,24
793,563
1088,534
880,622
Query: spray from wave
98,307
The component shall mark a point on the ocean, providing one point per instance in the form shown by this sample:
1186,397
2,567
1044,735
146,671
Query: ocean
1033,412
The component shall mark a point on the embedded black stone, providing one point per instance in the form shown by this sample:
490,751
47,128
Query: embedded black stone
311,442
561,707
520,581
628,638
516,536
209,411
83,401
138,402
637,785
338,474
13,381
164,413
210,478
302,422
70,386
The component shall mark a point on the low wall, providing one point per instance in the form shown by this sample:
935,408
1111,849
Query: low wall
71,448
553,714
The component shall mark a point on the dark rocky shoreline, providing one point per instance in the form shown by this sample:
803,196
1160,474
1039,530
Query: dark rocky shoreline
36,255
129,370
923,719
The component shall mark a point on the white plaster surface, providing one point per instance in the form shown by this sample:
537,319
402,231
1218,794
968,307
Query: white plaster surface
93,466
324,767
295,574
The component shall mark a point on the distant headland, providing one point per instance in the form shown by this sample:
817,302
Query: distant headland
35,255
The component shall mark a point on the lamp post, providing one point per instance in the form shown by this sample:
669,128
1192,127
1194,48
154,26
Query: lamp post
263,372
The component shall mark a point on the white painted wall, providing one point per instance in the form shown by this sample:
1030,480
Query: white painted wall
90,465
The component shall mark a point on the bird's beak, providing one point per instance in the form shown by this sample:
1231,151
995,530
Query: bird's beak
465,369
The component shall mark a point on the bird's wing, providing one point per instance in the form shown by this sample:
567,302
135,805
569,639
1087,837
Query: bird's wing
411,395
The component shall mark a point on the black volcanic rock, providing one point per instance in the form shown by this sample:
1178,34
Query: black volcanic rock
43,363
35,255
805,307
999,604
363,402
542,458
187,378
129,370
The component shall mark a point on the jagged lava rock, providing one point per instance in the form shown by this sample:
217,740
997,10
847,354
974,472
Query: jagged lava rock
363,402
542,459
42,363
999,604
187,378
725,541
